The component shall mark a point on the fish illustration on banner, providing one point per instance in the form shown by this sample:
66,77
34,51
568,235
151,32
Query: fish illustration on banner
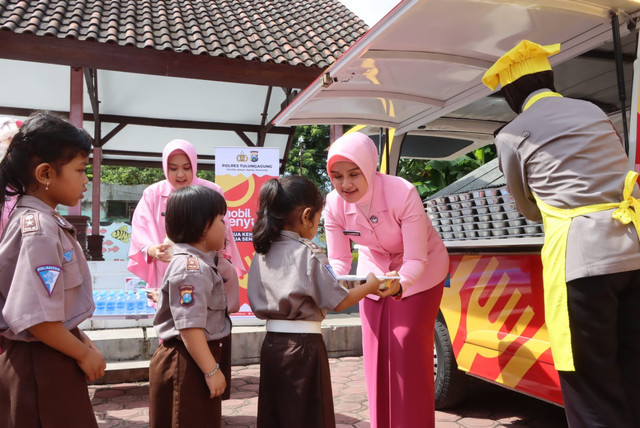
122,234
241,178
117,236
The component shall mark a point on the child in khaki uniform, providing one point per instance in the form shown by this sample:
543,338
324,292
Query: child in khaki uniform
45,284
186,380
291,285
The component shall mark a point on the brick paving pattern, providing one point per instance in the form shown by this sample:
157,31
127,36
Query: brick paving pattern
126,405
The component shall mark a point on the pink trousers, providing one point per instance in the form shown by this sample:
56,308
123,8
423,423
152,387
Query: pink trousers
397,341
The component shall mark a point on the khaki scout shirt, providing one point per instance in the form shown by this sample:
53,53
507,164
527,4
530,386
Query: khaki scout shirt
192,296
569,155
44,276
293,281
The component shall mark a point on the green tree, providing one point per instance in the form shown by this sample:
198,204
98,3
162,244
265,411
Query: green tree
308,155
136,175
429,176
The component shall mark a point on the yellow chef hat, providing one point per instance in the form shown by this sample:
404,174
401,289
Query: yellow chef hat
525,58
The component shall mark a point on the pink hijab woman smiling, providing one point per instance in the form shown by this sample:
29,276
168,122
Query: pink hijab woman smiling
385,216
149,254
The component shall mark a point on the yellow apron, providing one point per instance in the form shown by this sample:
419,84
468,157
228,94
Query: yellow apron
556,230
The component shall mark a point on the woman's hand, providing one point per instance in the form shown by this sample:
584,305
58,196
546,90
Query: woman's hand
393,285
152,294
160,252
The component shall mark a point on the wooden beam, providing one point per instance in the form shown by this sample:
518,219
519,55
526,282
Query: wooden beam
148,154
113,133
129,59
244,138
161,123
265,111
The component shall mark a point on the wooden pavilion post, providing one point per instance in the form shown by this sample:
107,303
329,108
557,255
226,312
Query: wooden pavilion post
75,216
75,112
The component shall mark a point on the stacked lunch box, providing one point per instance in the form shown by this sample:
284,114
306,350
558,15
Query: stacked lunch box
479,214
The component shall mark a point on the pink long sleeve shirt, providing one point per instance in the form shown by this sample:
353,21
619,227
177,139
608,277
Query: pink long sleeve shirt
403,238
396,234
148,225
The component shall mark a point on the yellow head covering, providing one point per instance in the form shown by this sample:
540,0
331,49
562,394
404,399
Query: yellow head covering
525,58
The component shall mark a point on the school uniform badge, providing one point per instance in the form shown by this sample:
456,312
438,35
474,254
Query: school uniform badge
186,295
328,267
49,276
192,263
311,245
30,223
59,219
67,255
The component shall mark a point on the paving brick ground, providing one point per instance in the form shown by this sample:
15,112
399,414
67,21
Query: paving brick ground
126,405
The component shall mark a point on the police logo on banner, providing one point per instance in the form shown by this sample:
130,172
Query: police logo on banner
186,295
49,276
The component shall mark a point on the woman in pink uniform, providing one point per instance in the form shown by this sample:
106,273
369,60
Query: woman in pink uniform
150,253
385,216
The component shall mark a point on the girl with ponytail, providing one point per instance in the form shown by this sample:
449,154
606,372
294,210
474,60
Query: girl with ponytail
292,286
45,282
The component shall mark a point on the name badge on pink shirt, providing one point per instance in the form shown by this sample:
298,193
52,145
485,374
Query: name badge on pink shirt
351,232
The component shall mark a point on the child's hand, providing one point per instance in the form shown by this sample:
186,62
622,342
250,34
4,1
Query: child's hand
87,341
216,383
373,284
92,364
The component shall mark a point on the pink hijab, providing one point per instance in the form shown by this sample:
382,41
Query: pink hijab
356,147
188,149
148,226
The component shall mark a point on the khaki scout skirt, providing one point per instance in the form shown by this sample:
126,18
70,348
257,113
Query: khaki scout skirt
41,387
295,382
178,392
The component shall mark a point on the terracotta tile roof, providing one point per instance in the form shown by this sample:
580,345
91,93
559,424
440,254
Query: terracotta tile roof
297,32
